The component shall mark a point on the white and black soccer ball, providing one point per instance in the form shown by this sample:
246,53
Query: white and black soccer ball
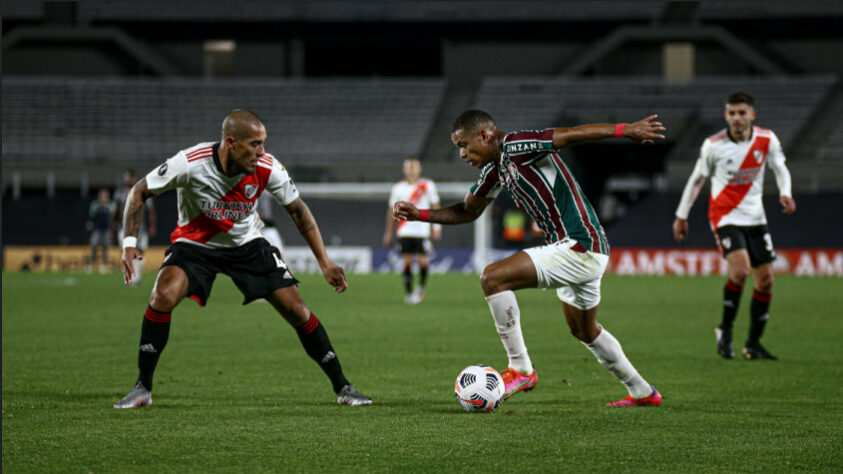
479,388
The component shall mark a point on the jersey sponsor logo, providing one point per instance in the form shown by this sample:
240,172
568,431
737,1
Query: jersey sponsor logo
227,210
162,170
745,176
521,147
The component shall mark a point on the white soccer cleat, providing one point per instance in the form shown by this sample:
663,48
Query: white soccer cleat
137,397
349,396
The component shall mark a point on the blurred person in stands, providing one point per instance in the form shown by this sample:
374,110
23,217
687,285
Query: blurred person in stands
413,236
99,224
149,220
734,158
527,166
218,231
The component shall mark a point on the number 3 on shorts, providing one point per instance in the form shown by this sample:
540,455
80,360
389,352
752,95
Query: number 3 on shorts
768,242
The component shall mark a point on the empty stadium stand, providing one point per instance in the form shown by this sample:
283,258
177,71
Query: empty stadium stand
83,123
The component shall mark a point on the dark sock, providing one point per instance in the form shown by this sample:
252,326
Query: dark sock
317,345
759,312
731,298
155,331
423,275
408,279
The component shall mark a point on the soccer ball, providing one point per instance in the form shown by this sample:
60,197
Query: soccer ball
479,388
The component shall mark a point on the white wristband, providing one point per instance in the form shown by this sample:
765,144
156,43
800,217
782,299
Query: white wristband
130,242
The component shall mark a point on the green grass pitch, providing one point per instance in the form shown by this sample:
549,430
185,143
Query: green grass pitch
236,392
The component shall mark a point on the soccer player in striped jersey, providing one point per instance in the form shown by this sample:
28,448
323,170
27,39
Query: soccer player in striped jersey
734,159
219,231
527,166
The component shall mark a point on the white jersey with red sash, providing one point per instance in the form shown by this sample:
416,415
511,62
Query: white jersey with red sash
736,170
217,211
422,194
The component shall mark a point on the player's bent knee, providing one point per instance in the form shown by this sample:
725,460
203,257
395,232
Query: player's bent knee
491,282
164,298
739,275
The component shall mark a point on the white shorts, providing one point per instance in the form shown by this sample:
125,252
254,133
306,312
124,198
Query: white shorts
573,273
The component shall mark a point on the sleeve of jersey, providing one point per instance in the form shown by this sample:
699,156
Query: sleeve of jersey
487,184
689,194
433,192
281,185
173,173
393,198
776,159
526,146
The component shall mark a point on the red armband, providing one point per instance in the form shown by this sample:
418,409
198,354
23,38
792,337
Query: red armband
619,129
424,214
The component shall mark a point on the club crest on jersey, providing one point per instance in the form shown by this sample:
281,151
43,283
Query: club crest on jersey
251,190
759,155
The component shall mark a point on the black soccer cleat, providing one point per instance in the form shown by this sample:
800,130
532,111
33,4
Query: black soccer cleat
757,351
724,343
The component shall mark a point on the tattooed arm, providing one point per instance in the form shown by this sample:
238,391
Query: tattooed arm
306,225
132,215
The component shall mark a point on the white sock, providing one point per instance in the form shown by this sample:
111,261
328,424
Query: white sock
609,353
508,323
136,278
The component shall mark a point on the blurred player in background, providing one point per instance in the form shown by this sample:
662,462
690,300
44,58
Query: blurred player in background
99,224
149,220
734,159
267,216
527,166
219,232
413,237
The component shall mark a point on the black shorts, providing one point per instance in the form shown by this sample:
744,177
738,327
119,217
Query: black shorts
256,268
413,245
755,239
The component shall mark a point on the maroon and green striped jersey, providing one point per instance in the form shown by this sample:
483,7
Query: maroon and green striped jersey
532,173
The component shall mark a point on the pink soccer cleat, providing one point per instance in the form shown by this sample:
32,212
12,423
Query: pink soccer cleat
652,400
515,382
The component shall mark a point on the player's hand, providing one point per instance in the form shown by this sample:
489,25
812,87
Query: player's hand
788,204
437,233
645,130
405,211
387,240
680,229
130,254
335,275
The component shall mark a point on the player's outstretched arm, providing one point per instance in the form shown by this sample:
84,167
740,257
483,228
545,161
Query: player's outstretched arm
460,213
643,131
306,225
132,216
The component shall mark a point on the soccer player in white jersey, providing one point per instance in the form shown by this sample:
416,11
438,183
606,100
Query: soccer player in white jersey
413,236
527,166
219,232
734,159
